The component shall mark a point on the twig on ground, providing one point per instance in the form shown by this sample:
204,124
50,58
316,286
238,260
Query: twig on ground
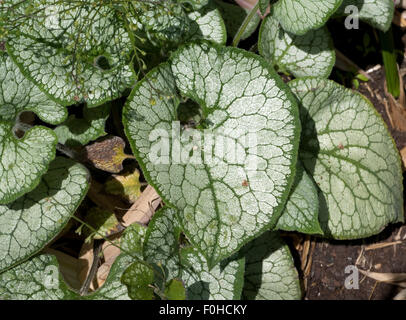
93,270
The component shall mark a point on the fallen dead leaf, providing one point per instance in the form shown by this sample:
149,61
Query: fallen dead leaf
107,154
396,109
110,253
400,4
85,262
67,267
143,208
140,212
307,258
396,114
305,252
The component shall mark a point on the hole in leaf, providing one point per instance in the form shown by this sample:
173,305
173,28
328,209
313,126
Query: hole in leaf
102,63
189,114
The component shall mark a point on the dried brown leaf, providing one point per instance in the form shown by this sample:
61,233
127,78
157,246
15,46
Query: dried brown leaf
140,212
67,267
107,154
143,208
85,262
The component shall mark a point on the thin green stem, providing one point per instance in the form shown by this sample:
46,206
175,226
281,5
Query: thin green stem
105,238
244,25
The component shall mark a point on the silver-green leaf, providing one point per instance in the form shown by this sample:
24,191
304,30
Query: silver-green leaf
33,220
301,212
263,5
348,150
39,279
222,202
377,13
298,17
23,160
35,279
73,53
161,245
207,24
270,273
196,4
168,24
222,282
17,94
311,54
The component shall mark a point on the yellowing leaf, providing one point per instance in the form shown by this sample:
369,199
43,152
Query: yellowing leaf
107,154
105,222
127,185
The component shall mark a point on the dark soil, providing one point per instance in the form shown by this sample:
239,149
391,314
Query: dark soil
326,279
327,276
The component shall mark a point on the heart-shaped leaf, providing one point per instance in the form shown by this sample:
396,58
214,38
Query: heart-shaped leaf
311,54
23,161
223,282
224,198
298,17
270,273
73,53
378,13
33,220
39,279
18,95
301,212
348,150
